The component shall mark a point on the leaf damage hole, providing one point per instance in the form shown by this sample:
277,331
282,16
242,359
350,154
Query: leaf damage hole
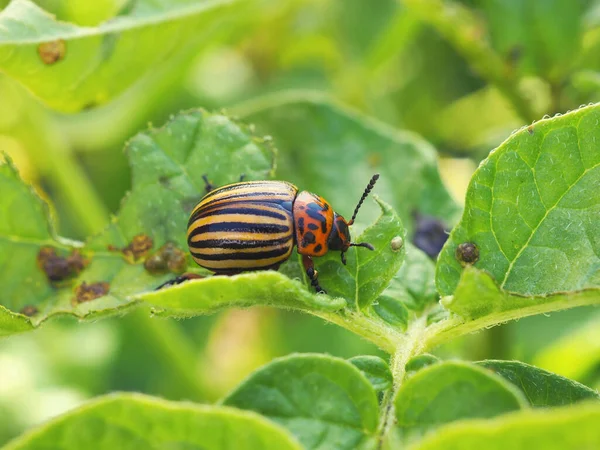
59,268
52,52
88,292
467,253
168,258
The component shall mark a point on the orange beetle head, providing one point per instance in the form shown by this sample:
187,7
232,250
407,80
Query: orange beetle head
339,237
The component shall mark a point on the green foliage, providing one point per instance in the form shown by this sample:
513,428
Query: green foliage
572,427
92,65
531,209
315,135
462,73
167,167
541,388
325,402
380,295
375,369
452,391
134,421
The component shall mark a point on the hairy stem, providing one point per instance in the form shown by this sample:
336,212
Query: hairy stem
412,346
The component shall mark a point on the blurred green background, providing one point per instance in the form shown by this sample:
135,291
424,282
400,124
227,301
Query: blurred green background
463,75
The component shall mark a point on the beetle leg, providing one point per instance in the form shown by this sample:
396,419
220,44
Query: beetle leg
207,184
312,274
178,280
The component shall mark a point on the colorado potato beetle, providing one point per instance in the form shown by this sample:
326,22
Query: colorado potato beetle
254,225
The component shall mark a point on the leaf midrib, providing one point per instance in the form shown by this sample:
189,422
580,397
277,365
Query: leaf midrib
123,23
534,230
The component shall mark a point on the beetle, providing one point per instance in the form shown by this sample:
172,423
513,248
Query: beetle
254,225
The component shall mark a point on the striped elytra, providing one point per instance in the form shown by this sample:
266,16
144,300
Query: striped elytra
243,226
254,225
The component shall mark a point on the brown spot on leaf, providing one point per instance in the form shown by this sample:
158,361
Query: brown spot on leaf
58,268
138,247
88,292
168,258
52,52
467,253
29,310
530,129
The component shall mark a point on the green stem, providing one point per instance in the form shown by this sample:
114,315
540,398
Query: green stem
412,346
378,332
459,26
456,326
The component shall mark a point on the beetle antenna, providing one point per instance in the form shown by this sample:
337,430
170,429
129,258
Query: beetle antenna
362,244
368,189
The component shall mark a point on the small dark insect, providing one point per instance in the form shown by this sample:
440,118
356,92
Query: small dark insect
254,225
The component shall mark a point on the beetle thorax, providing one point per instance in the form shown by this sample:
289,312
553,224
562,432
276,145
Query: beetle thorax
313,221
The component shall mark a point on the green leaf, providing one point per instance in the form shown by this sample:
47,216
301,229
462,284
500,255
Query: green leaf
451,391
531,210
132,421
316,137
325,402
167,165
478,303
552,429
414,284
542,388
421,361
367,273
212,294
375,369
90,65
391,310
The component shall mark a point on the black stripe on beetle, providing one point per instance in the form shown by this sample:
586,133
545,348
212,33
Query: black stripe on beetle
237,244
273,217
242,255
262,197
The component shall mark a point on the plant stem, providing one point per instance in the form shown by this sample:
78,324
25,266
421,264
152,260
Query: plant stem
409,348
456,326
378,332
460,27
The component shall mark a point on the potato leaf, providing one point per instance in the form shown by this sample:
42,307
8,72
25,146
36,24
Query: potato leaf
139,421
72,67
324,401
